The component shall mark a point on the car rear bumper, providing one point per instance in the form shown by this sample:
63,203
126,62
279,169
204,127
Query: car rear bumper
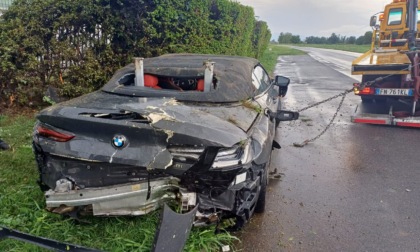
128,199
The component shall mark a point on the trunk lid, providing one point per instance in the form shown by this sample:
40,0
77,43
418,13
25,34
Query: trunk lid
145,126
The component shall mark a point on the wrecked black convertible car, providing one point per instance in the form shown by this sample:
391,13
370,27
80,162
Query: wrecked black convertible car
193,129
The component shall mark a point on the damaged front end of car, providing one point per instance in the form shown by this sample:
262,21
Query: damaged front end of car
168,153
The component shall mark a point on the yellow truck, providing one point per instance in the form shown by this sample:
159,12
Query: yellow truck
391,68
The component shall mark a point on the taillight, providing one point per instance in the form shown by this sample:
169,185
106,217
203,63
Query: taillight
53,134
364,91
367,90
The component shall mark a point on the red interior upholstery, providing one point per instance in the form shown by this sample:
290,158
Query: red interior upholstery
151,81
200,85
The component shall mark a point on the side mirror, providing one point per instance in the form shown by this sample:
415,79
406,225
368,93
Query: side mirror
282,82
373,21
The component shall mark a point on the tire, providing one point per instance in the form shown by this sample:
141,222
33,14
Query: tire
260,205
380,100
366,100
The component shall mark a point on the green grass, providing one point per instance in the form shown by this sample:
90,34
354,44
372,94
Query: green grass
342,47
22,207
269,57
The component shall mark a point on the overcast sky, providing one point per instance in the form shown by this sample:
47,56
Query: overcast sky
316,17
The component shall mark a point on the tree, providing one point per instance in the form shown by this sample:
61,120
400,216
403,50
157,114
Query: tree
367,37
77,45
289,38
285,38
333,39
261,38
351,40
316,40
295,39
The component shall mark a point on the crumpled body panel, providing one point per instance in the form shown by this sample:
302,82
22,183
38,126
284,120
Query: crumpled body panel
127,150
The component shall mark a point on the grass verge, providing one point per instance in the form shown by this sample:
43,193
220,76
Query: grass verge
269,57
22,207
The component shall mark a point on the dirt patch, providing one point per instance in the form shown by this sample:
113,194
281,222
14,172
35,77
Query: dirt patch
15,111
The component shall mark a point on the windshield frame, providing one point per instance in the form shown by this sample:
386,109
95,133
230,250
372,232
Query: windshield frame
232,78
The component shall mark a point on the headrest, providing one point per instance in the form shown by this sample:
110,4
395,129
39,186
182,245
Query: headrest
200,85
151,81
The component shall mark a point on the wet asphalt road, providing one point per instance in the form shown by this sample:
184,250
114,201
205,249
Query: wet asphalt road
357,188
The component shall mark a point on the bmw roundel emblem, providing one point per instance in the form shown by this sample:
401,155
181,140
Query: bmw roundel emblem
119,141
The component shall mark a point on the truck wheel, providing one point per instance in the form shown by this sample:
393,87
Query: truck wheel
380,100
366,100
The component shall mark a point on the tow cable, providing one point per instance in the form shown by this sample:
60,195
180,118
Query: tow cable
343,94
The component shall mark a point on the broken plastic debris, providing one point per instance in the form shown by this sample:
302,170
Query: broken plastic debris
225,248
301,145
4,145
298,145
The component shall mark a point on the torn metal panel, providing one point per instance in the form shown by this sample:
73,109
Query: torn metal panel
235,113
170,122
162,159
224,201
96,145
190,125
129,199
173,230
90,174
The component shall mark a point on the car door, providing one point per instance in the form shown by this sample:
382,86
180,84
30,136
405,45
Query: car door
267,97
267,93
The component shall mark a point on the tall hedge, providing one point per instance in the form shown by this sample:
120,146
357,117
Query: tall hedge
75,46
